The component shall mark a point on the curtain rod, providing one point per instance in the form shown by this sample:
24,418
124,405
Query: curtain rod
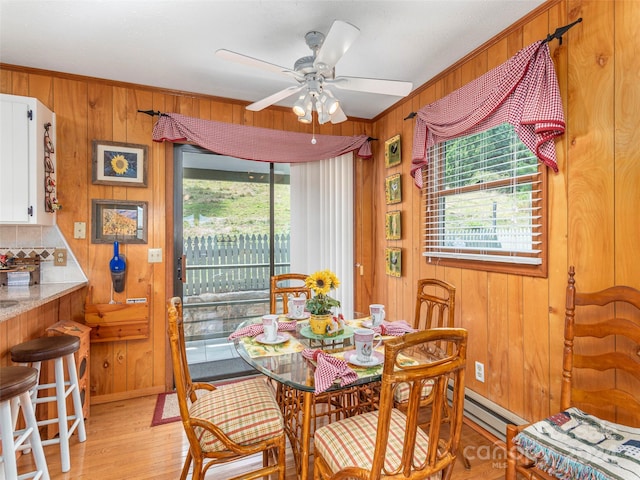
560,31
151,113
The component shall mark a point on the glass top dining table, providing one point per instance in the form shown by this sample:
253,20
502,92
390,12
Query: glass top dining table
295,385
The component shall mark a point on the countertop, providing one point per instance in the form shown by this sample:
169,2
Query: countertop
27,298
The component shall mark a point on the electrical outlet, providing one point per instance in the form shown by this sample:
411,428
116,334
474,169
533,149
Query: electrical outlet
480,372
60,257
154,255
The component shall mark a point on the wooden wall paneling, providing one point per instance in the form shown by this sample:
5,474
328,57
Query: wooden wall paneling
473,311
591,155
557,219
162,273
140,357
627,174
627,143
20,84
515,352
535,301
5,360
497,366
5,80
41,87
591,109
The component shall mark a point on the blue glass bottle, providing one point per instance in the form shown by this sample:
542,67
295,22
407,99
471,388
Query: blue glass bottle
117,265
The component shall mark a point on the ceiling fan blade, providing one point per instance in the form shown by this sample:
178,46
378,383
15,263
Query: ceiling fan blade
340,37
338,116
397,88
276,97
254,62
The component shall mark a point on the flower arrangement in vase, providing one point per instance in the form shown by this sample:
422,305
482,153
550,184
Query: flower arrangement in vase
321,305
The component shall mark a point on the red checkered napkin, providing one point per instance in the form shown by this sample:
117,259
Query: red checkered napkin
257,328
395,329
328,369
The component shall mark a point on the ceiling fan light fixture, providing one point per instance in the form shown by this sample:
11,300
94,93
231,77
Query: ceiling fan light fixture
307,117
301,106
329,102
323,115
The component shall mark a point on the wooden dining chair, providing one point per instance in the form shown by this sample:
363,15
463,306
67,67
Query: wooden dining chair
595,432
435,308
388,443
284,286
225,423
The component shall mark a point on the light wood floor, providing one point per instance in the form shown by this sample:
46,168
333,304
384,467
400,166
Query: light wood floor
121,445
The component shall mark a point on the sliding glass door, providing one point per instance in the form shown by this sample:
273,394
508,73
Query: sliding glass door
232,232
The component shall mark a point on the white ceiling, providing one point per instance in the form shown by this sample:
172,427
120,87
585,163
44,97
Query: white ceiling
171,43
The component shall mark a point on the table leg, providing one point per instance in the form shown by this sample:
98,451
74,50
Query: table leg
307,400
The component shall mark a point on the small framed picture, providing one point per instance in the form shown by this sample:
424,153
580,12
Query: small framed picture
393,189
392,153
118,220
121,164
392,224
393,261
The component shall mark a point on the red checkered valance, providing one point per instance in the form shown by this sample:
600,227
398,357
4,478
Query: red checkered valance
253,143
523,91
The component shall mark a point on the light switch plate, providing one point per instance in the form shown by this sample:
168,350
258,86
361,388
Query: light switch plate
155,255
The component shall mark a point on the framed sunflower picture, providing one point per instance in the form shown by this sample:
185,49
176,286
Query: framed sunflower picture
121,164
393,261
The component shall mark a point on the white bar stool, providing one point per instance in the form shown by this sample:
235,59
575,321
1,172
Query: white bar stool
15,383
56,348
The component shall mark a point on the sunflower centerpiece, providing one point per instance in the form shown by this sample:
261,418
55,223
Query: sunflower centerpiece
321,305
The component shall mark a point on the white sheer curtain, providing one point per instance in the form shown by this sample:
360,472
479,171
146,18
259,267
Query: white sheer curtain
322,222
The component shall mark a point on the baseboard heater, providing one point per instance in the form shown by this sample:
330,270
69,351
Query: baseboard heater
488,415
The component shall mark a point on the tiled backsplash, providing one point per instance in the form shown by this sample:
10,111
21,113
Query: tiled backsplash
28,241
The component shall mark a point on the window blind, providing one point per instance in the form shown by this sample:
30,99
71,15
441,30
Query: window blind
483,199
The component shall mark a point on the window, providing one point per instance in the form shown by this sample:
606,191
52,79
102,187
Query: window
485,204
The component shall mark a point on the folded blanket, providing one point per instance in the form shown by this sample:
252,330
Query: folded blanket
328,369
257,328
573,445
396,329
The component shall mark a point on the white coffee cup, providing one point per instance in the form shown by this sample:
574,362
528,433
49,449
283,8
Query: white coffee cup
296,307
270,324
364,338
376,311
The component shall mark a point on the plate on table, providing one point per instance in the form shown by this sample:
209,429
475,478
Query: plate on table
304,316
377,358
281,338
307,332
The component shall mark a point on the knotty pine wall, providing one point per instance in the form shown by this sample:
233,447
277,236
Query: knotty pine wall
516,323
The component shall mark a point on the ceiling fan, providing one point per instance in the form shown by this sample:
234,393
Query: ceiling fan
316,78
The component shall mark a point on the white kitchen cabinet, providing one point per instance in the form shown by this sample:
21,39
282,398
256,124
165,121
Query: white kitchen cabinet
28,192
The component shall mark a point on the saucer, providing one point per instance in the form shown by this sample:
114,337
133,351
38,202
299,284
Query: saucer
304,316
368,324
377,358
281,338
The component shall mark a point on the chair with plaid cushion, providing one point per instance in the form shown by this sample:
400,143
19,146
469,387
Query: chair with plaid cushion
283,287
389,443
596,433
225,423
